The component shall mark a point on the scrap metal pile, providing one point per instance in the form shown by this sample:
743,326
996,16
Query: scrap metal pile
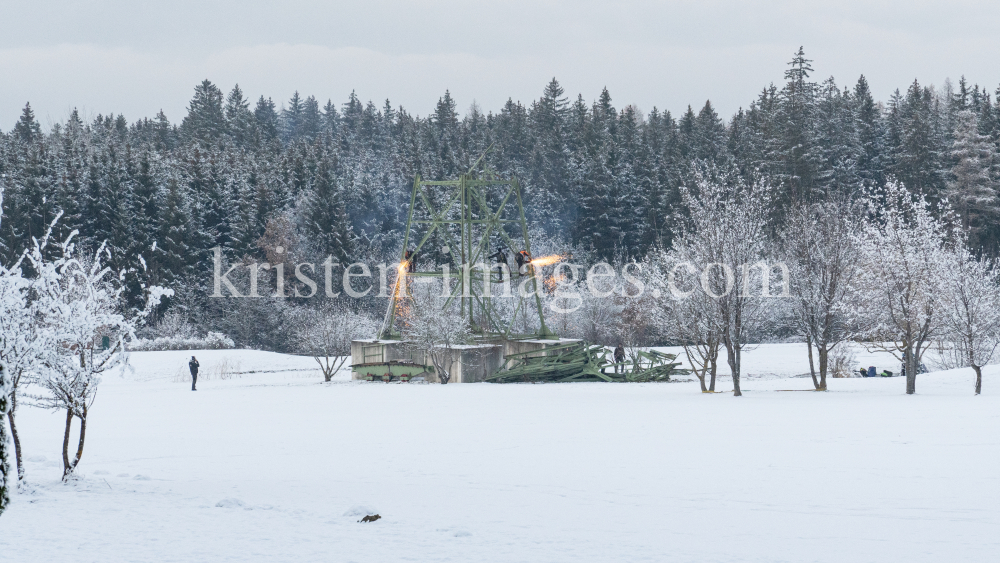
579,361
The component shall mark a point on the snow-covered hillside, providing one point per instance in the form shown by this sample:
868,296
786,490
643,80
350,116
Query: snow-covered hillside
276,466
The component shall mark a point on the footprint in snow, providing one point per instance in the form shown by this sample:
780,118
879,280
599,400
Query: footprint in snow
101,472
229,503
125,475
141,478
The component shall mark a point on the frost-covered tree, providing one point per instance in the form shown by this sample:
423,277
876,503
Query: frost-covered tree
686,317
434,328
724,238
818,248
83,310
5,382
24,342
898,297
5,479
971,311
326,334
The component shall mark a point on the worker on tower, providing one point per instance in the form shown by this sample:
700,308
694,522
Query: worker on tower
409,257
500,257
523,259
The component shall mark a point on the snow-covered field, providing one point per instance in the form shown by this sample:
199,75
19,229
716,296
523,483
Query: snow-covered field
276,466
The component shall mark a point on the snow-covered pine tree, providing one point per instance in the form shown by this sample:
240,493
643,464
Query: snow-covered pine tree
328,228
915,146
205,122
291,119
266,118
870,134
311,119
838,145
972,187
239,119
799,158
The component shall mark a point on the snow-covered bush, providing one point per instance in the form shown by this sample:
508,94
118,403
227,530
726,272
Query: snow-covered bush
211,341
841,360
326,334
434,328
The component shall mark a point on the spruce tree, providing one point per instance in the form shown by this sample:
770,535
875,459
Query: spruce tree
327,225
267,120
972,187
205,122
27,130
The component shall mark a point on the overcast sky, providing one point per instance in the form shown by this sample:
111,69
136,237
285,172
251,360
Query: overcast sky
118,56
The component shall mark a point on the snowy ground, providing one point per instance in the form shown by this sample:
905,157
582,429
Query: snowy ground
275,466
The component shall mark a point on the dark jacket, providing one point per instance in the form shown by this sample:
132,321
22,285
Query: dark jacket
193,364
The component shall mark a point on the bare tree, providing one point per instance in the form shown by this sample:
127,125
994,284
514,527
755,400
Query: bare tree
687,319
434,327
821,255
971,312
326,333
897,300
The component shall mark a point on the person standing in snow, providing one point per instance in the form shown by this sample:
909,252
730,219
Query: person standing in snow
193,364
620,358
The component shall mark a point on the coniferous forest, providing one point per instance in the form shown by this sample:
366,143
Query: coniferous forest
319,178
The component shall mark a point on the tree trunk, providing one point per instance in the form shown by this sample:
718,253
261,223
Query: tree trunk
734,365
69,466
912,364
979,385
83,434
824,366
17,439
4,466
14,435
812,368
715,369
65,452
701,377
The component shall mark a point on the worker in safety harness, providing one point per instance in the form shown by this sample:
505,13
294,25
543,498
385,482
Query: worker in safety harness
500,257
523,259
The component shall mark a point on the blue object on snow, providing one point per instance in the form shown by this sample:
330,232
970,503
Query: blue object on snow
871,371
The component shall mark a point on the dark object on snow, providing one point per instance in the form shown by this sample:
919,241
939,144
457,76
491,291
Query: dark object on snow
370,518
193,365
871,371
920,369
864,372
886,373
